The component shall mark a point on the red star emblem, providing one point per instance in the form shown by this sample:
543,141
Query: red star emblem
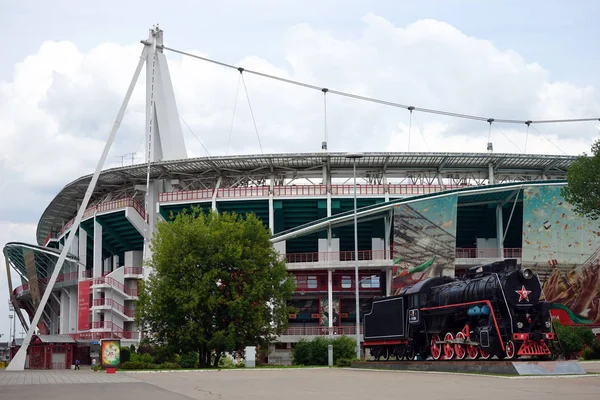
523,294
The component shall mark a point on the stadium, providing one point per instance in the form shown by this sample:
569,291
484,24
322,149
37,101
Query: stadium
418,215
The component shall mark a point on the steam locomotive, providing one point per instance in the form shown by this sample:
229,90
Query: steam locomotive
494,310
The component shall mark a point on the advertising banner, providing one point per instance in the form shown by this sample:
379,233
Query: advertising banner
564,248
424,241
110,353
325,311
83,310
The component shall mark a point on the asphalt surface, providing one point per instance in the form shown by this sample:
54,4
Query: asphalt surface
292,384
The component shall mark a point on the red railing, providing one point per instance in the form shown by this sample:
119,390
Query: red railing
322,330
115,305
133,271
363,255
111,330
304,190
107,206
68,277
489,253
107,280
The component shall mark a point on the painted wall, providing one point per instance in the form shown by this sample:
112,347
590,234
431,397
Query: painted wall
567,247
424,240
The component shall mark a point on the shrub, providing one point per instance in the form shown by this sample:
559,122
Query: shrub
189,360
169,365
165,355
132,349
142,358
137,365
344,362
573,339
315,352
125,355
226,362
146,349
592,352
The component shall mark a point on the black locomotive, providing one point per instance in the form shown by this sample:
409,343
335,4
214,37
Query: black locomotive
493,310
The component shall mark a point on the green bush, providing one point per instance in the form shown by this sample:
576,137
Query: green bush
142,358
226,362
169,365
132,349
146,349
592,352
189,360
572,340
344,362
125,355
315,352
165,355
137,365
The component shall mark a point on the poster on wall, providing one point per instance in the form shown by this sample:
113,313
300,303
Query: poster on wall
564,248
324,320
424,241
110,353
83,310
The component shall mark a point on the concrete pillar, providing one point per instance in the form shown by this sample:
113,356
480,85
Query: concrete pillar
389,273
500,231
386,238
330,299
97,249
491,174
64,312
82,252
73,309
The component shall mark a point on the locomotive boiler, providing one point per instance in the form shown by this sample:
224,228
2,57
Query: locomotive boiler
494,310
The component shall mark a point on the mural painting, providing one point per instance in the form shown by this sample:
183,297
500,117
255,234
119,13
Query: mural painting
424,240
564,248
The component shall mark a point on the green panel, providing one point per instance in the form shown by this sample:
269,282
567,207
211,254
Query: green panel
258,207
165,210
297,212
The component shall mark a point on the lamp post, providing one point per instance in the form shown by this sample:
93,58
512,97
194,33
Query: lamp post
354,157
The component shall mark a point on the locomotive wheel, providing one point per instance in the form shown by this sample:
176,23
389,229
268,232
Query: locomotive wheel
484,354
449,347
386,354
410,353
376,353
399,352
435,347
460,348
472,351
511,350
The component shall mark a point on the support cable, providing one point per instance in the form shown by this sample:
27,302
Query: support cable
251,112
378,101
197,138
507,138
324,90
411,108
526,135
551,142
421,131
237,92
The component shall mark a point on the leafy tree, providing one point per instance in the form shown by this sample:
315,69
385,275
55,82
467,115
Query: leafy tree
583,189
218,285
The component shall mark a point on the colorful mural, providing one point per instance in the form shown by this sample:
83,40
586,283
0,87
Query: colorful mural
565,248
324,320
424,240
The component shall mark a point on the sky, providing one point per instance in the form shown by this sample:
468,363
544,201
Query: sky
65,68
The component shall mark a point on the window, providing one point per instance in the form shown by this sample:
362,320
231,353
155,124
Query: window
372,282
312,282
346,282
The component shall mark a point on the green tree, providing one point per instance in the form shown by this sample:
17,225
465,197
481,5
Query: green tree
583,189
218,285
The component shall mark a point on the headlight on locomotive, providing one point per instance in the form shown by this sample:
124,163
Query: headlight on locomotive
520,325
548,324
527,273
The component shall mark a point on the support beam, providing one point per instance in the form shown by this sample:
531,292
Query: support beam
491,173
18,361
500,231
330,299
214,196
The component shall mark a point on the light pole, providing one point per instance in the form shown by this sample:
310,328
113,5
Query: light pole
354,157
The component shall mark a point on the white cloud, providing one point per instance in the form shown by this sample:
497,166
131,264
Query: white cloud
58,108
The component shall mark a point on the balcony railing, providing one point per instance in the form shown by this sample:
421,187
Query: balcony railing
363,255
303,190
107,280
489,253
133,270
107,206
68,277
114,305
321,330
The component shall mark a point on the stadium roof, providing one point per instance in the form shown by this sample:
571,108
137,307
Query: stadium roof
20,254
64,206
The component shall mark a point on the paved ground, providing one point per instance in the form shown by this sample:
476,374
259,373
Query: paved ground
291,384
